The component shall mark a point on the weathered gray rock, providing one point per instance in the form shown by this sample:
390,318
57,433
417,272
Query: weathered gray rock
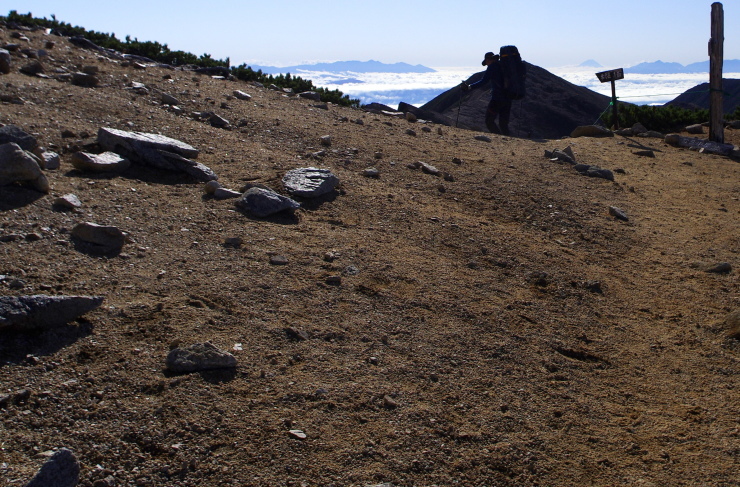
84,80
61,470
105,238
41,311
696,129
594,171
482,138
5,62
168,99
241,95
429,169
618,213
67,202
199,357
310,182
699,144
105,162
19,166
50,160
155,150
11,133
638,129
225,194
310,95
721,268
218,121
262,202
591,131
33,68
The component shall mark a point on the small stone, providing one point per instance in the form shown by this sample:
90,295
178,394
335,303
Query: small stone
168,99
218,121
389,402
371,172
618,213
296,334
103,237
326,140
721,268
297,434
211,186
334,280
482,138
199,357
411,132
235,242
67,202
225,194
278,260
241,95
105,162
84,80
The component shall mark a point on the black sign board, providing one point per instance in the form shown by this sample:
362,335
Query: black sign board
612,75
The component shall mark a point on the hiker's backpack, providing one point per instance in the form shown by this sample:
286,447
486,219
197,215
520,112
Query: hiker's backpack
513,71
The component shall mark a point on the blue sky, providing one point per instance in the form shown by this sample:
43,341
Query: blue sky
434,33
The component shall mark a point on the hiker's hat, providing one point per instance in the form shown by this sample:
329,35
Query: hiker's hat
489,55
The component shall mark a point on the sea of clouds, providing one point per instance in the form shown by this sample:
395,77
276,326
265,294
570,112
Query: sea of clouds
419,88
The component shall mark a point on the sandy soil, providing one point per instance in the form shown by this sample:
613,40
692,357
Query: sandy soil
500,328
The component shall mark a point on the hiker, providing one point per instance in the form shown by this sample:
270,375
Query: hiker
507,84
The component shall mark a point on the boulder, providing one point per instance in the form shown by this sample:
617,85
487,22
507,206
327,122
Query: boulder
155,150
41,311
107,239
61,470
19,166
591,131
199,357
263,202
11,133
241,95
310,182
105,162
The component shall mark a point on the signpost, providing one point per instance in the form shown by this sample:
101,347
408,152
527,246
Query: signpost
612,76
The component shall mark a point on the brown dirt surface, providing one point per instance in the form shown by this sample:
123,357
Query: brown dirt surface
497,327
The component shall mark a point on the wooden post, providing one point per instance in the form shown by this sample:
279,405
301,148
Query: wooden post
615,112
716,57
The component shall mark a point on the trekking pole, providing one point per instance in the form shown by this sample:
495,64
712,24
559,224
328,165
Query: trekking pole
459,104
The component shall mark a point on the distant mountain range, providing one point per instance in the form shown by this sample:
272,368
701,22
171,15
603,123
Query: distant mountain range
659,67
348,66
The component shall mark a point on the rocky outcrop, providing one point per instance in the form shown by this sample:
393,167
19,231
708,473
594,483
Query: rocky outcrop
155,150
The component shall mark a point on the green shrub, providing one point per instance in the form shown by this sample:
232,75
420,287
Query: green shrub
667,118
